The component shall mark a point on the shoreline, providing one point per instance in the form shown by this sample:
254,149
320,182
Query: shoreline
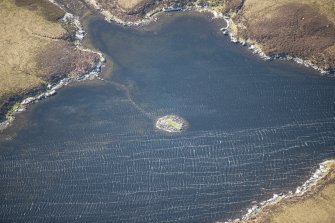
317,179
153,15
52,87
93,73
255,48
309,187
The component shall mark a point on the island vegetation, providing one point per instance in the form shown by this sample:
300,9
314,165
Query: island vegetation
38,50
289,29
171,123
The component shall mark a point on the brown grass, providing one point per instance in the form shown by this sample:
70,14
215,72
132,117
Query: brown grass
20,41
256,9
49,11
303,28
62,58
128,4
317,206
33,50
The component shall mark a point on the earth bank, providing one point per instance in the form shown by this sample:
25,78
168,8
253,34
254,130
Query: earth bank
37,50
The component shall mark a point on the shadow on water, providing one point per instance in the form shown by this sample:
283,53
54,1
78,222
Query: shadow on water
92,153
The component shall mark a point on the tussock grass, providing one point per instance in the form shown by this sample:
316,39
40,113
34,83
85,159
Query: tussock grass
317,208
256,9
24,33
304,28
128,4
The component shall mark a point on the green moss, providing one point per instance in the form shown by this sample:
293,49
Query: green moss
153,12
11,111
173,124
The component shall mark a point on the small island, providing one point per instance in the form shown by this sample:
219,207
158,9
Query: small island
171,123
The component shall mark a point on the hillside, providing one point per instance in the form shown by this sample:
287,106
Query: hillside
36,50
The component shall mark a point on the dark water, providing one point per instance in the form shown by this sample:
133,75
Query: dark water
92,154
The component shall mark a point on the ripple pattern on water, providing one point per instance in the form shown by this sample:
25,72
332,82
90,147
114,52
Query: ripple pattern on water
138,176
92,153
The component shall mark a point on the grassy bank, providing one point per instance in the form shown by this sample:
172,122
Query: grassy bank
303,29
24,33
317,207
36,49
317,204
